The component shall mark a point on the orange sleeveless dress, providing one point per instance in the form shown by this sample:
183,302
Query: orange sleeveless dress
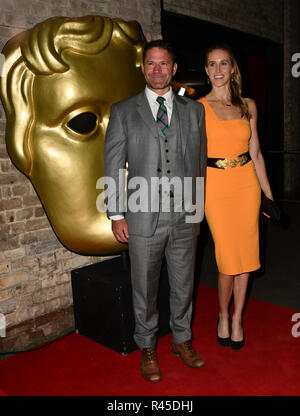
232,201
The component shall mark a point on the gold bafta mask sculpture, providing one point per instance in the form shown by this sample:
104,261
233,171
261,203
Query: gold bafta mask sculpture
58,83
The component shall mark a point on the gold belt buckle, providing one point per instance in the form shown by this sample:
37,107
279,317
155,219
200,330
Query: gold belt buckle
221,163
232,163
243,159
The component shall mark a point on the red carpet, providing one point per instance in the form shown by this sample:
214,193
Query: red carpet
269,363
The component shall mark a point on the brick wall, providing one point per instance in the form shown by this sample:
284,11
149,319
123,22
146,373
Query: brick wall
35,269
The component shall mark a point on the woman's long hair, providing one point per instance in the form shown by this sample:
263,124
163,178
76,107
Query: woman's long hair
236,79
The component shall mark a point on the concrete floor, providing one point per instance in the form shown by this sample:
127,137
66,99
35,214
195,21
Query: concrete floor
278,280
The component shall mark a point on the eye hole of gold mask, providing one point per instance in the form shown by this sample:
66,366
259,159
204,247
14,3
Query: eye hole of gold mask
83,123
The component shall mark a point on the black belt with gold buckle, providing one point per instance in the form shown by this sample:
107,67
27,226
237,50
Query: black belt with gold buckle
241,160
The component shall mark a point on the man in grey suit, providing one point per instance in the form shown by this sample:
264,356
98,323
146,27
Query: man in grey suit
160,135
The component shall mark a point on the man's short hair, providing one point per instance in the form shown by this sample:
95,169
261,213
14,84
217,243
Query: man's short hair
160,43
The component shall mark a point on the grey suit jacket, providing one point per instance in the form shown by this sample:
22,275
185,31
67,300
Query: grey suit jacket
132,138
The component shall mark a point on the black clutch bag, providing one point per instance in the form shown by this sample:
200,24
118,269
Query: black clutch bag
270,207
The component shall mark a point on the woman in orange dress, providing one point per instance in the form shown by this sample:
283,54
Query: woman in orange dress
236,174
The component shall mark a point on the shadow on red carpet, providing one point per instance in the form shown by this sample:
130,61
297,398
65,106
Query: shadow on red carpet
268,364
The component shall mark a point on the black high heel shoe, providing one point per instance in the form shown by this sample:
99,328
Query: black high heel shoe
222,341
236,345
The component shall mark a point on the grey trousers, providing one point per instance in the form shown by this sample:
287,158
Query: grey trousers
175,240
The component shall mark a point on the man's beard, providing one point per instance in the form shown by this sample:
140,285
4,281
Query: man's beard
158,86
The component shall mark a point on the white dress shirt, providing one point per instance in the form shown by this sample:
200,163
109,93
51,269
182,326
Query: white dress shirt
154,105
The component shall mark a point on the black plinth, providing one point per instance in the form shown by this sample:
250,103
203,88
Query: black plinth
103,303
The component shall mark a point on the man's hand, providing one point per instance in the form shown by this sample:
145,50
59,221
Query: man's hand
120,230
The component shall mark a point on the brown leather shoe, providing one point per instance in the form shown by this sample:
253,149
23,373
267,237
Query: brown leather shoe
149,365
188,355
